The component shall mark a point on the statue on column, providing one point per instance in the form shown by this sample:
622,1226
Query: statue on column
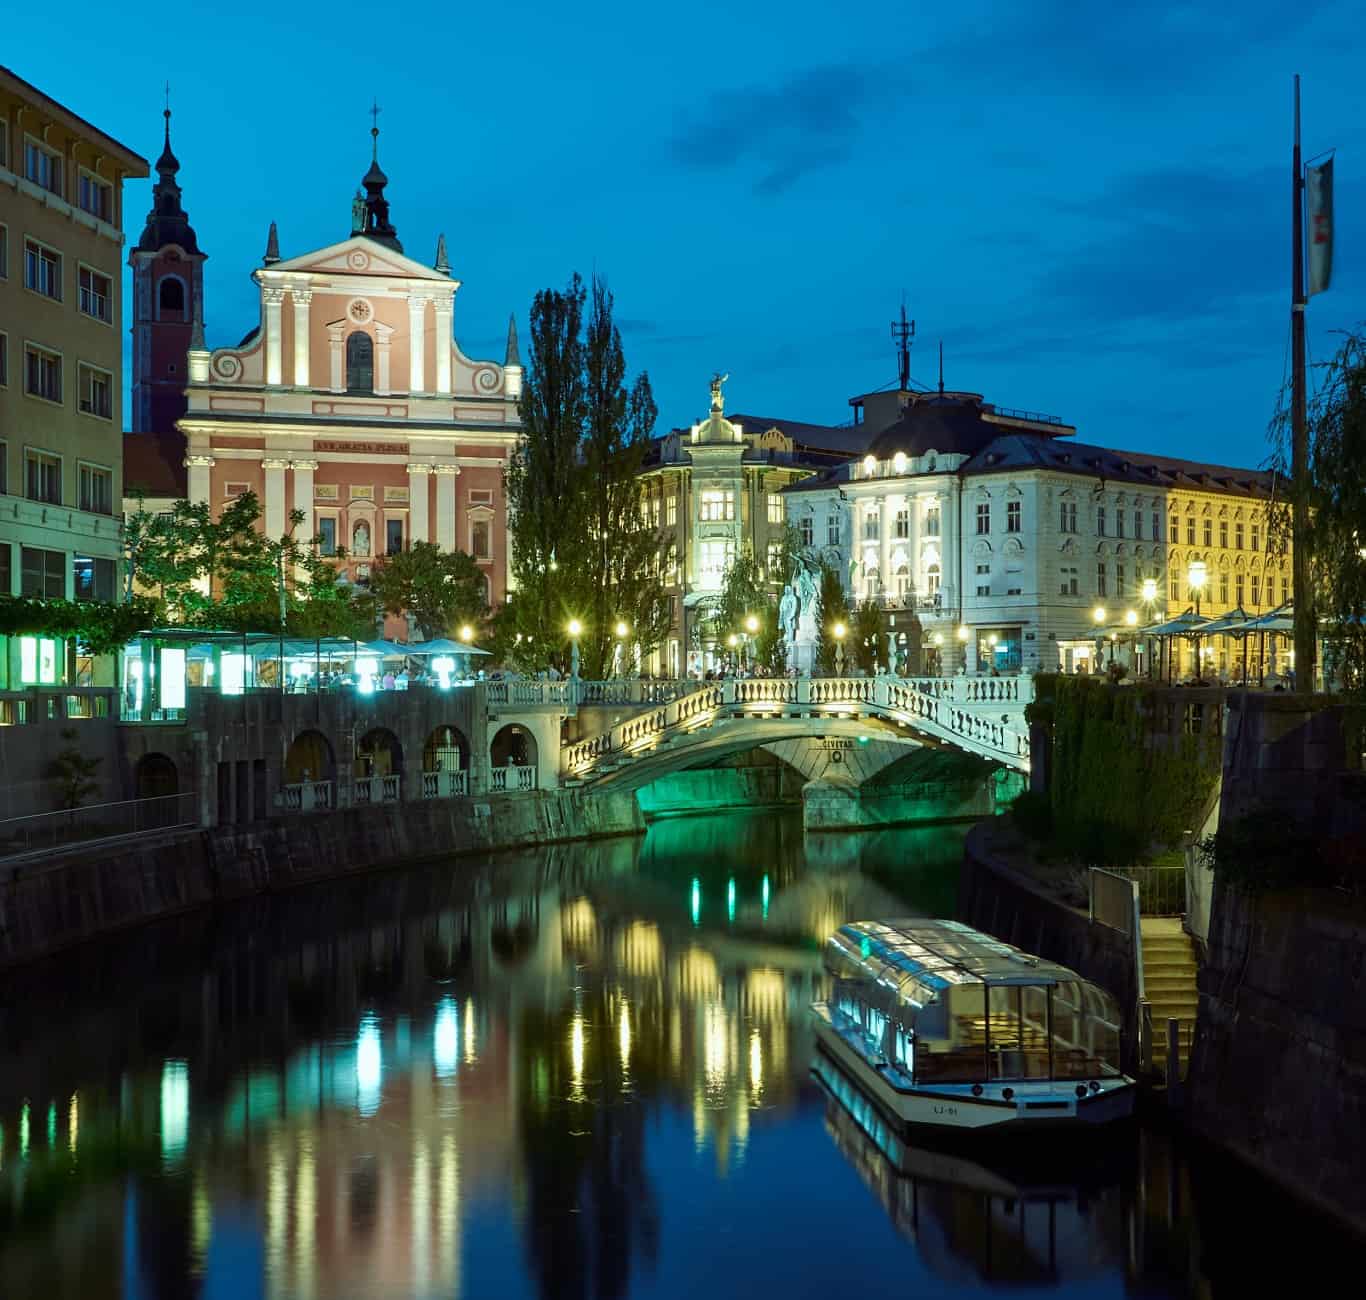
718,401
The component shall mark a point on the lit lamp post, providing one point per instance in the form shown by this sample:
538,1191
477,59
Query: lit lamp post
622,631
751,629
963,642
839,631
575,630
732,641
1098,617
1197,575
938,641
1149,596
1131,622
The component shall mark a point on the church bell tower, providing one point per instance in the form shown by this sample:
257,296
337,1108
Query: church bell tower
168,297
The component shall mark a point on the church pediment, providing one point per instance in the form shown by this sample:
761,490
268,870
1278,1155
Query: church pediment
360,256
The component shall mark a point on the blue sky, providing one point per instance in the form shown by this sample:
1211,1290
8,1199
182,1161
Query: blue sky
1088,204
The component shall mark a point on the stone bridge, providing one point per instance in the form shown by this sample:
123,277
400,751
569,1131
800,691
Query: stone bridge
685,725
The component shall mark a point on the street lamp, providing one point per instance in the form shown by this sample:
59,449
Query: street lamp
622,630
575,629
839,631
1197,575
466,633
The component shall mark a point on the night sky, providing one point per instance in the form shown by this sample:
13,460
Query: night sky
1088,204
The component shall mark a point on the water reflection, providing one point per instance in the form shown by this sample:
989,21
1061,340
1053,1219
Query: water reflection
573,1074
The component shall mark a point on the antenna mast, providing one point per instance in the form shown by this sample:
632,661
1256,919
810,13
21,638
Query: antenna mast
903,331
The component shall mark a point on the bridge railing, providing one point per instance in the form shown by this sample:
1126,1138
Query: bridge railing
985,717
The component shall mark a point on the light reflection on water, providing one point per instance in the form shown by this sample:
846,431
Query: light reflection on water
578,1073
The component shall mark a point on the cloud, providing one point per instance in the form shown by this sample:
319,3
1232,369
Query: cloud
808,123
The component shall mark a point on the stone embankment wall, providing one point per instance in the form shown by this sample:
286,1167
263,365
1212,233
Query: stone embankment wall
49,906
1001,899
1278,1073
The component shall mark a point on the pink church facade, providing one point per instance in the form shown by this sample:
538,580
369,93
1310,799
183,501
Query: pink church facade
352,403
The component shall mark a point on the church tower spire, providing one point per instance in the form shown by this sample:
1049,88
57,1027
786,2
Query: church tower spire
377,225
168,289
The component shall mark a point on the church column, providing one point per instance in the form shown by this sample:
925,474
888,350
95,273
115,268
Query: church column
302,297
383,335
303,497
445,505
417,344
198,478
335,346
275,497
274,300
444,308
417,503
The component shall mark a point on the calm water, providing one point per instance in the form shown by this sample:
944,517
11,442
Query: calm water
578,1073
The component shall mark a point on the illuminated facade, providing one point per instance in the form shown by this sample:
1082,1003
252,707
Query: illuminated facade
61,365
352,403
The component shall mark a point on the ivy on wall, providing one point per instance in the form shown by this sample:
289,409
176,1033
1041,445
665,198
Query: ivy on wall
99,627
1123,785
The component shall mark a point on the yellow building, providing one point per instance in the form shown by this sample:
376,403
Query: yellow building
1220,560
61,368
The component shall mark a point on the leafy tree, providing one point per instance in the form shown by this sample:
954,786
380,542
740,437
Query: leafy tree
1335,493
73,771
440,589
833,608
101,628
581,546
745,594
867,636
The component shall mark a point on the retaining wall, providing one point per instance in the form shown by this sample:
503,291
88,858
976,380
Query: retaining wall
82,895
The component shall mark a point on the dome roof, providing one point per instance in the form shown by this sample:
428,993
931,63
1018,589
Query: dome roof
950,423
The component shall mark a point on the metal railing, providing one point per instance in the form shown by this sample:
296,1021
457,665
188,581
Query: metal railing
1161,890
42,832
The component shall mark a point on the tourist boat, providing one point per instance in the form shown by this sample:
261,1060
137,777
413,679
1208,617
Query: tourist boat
949,1027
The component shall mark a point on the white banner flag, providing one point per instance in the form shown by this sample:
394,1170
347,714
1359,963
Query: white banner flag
1318,185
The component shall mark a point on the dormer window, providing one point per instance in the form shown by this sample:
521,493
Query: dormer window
360,363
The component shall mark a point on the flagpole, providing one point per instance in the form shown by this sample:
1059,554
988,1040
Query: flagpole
1299,430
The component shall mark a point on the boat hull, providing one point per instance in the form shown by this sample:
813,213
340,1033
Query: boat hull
1035,1104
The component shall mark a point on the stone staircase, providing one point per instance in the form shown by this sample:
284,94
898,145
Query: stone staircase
1169,968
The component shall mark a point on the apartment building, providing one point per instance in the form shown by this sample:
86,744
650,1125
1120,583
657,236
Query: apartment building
61,369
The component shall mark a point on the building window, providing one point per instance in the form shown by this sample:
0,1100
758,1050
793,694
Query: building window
984,571
1119,581
360,363
4,361
43,573
43,167
96,490
984,589
1256,537
1175,585
775,560
1238,589
1101,586
1223,533
1257,590
671,564
43,475
94,298
775,508
1223,588
97,392
1208,532
903,583
1285,590
43,374
903,522
832,530
97,197
671,510
717,506
871,526
714,556
1119,521
983,517
42,269
6,568
932,583
479,540
93,578
1013,515
393,536
806,530
1068,523
327,535
4,252
654,513
1175,531
1138,524
932,521
1068,575
1100,521
1238,535
1013,591
1190,530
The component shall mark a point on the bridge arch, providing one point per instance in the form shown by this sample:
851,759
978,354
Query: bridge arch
446,750
310,758
379,753
513,745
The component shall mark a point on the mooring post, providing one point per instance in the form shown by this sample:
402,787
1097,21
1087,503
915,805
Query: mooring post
1173,1061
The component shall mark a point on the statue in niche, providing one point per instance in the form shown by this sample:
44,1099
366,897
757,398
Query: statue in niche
360,539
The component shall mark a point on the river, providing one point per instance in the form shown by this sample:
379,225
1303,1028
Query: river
581,1072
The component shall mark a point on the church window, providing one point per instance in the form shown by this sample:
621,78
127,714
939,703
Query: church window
479,539
393,536
327,535
360,363
171,295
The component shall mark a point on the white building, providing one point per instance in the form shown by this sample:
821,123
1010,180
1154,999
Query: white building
993,540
